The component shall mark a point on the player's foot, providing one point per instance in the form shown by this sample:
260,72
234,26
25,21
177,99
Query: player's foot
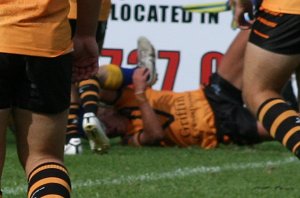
73,147
146,58
95,132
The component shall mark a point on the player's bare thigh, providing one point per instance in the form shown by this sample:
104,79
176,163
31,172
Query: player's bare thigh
265,73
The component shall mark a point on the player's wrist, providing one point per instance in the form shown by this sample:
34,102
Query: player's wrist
140,96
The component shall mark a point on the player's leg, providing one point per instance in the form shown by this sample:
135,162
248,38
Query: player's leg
91,126
265,74
232,64
40,140
73,144
263,97
113,77
146,58
73,137
289,94
7,63
73,140
94,130
297,77
4,114
40,117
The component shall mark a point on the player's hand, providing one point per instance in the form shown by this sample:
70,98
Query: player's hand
86,56
139,79
242,13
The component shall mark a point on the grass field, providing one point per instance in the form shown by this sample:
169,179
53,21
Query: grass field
265,170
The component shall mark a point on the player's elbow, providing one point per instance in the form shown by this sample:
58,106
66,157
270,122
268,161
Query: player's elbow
152,137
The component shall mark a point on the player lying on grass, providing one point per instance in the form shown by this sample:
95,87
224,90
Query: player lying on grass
205,117
89,97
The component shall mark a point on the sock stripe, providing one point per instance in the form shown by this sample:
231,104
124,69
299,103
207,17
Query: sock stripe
281,119
71,134
72,127
296,149
89,83
47,181
72,119
272,111
53,196
87,101
289,134
72,115
89,94
284,128
264,108
47,173
49,178
282,122
46,166
293,141
90,103
74,105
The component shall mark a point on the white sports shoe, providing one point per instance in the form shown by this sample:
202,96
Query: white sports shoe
95,132
73,147
146,58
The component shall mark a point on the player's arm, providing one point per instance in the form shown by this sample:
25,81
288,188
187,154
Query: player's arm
153,131
108,97
241,8
86,50
87,17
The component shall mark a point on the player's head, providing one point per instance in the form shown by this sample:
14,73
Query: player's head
116,124
110,77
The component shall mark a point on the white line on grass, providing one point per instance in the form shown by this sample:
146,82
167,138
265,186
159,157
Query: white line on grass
154,176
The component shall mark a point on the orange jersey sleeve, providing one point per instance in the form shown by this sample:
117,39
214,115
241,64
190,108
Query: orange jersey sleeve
282,6
187,118
103,13
38,28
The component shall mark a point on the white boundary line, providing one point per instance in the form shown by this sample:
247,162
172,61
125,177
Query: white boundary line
154,176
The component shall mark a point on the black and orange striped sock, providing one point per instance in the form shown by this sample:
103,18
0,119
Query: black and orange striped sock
282,122
72,127
49,180
89,94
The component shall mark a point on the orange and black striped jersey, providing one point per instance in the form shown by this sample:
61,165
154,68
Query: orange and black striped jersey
186,117
103,13
37,28
282,6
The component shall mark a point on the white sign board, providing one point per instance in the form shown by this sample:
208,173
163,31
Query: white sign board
189,45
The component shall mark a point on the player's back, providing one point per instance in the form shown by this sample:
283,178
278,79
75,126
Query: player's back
35,27
103,13
282,6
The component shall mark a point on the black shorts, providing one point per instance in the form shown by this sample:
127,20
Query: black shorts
37,84
278,33
232,119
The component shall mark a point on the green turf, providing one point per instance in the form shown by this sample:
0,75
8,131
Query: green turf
265,170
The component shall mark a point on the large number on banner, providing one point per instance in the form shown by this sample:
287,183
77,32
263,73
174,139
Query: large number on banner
116,55
172,68
209,63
